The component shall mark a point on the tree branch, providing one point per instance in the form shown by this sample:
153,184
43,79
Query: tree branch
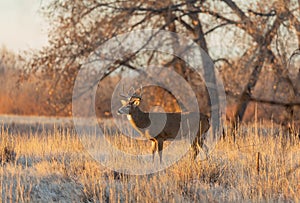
271,102
270,14
216,27
236,9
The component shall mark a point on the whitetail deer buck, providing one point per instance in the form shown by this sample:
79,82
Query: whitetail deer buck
145,124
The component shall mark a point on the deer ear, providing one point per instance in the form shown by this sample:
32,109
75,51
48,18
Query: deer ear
123,102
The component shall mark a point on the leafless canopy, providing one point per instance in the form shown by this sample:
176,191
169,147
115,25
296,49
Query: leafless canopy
262,35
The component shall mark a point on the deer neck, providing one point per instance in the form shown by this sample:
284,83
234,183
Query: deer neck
139,118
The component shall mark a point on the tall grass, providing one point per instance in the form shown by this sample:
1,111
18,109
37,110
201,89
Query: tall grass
55,167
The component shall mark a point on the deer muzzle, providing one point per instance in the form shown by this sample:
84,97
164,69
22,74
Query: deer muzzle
123,110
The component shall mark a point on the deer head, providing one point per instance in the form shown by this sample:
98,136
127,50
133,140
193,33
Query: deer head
130,103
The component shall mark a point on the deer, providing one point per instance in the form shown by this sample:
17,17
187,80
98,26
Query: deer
145,124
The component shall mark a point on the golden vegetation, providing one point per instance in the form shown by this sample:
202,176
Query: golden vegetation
55,167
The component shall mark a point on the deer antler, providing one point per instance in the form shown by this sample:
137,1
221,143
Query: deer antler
141,92
123,95
131,93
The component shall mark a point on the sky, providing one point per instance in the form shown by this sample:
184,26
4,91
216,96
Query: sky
22,27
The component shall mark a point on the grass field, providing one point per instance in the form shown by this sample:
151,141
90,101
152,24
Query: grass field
262,165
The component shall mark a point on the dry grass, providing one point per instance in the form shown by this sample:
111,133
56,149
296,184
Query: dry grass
55,167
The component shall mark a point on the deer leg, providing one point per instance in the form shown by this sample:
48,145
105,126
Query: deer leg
198,144
195,147
160,148
154,147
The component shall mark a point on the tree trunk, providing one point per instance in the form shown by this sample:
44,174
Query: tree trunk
209,71
263,54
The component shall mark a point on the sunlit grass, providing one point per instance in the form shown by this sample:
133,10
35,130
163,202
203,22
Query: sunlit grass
262,165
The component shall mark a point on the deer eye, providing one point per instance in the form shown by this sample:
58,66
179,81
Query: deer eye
136,102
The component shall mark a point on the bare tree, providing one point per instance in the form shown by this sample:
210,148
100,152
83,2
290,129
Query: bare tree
79,27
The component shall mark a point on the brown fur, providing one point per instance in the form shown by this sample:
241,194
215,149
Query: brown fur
173,125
